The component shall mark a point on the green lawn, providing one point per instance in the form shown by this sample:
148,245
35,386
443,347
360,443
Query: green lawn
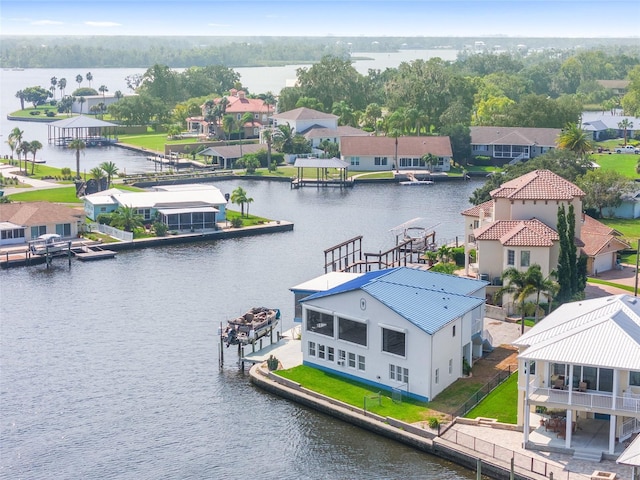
624,163
26,113
501,403
152,141
628,288
353,393
628,227
56,195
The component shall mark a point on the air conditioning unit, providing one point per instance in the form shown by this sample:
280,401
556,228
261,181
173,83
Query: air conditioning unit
341,362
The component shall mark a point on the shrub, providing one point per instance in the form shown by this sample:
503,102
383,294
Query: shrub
482,161
51,114
34,112
272,363
65,171
236,222
160,229
458,256
433,422
104,219
448,268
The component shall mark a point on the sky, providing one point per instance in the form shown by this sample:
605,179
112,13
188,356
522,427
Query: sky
430,18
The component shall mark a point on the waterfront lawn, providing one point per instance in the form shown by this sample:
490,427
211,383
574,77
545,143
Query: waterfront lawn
247,220
501,403
153,141
56,195
623,163
354,393
42,115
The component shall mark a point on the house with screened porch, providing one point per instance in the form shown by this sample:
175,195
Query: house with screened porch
582,364
401,328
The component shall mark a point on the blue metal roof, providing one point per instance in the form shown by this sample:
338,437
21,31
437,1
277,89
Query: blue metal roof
429,300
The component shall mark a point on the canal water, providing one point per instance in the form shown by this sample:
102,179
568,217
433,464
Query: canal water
110,369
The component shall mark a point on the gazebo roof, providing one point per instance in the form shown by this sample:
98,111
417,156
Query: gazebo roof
81,121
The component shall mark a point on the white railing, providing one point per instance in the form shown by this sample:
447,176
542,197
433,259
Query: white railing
519,158
628,428
584,399
112,232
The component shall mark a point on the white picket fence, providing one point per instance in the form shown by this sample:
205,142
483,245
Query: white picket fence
111,231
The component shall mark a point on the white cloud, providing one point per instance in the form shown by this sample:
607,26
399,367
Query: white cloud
46,22
103,24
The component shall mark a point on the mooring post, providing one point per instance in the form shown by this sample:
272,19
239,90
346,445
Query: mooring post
512,473
479,469
221,354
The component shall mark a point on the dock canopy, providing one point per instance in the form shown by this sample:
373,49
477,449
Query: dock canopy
91,130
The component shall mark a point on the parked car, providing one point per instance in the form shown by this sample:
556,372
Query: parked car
627,149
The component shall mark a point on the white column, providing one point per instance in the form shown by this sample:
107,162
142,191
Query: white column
527,413
616,386
568,430
570,383
466,257
612,434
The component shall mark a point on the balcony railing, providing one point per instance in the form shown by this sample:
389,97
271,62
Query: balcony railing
585,400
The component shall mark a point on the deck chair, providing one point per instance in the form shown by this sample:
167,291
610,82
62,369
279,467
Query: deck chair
582,387
559,383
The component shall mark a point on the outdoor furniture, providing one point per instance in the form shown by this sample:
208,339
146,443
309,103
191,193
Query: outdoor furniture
582,387
558,383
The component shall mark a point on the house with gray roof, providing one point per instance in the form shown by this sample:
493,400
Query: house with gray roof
510,144
583,360
601,124
403,329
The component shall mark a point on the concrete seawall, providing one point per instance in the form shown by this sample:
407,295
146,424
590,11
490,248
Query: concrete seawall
392,429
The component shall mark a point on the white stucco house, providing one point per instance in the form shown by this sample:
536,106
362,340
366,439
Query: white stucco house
584,360
400,328
381,153
316,126
180,207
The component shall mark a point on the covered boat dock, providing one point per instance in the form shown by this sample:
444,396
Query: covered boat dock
323,177
91,131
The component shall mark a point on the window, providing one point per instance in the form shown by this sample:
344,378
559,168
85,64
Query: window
321,351
352,331
450,366
318,322
312,349
634,379
37,231
454,330
352,360
405,375
393,342
342,356
361,362
437,376
330,354
525,256
63,229
355,161
476,223
396,372
380,161
511,257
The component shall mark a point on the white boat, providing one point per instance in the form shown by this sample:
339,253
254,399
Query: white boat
48,243
417,182
256,323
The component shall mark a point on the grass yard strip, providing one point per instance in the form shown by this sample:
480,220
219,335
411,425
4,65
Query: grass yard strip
153,141
353,393
55,195
501,403
623,163
628,288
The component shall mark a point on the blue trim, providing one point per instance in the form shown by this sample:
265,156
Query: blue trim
381,386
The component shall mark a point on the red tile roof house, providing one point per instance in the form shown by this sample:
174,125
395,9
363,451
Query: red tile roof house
512,144
238,104
380,153
518,228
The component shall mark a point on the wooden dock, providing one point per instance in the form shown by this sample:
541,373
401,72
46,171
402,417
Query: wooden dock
94,252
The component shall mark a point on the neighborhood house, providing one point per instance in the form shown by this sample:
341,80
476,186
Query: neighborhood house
402,328
512,144
21,223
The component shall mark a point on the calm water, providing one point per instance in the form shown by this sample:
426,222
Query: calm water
109,369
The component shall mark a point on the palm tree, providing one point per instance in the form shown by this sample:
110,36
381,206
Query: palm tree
89,77
79,80
246,118
249,201
227,125
103,89
110,169
126,218
118,94
371,114
267,136
81,101
23,149
444,252
15,138
54,82
78,145
575,139
518,284
541,285
239,197
624,125
20,95
62,84
35,145
97,174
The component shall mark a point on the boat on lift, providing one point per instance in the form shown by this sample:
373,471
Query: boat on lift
254,324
